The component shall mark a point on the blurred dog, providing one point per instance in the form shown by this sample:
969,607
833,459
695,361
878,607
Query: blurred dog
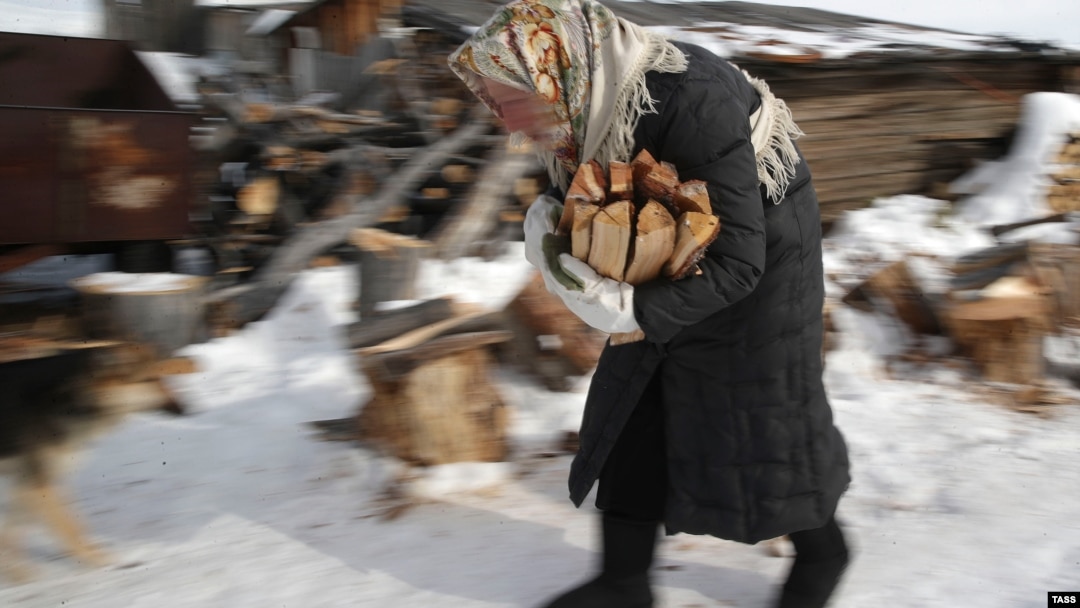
52,402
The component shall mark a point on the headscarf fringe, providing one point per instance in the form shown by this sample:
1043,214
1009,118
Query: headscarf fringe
774,138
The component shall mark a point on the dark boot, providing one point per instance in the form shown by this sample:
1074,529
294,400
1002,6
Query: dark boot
624,577
821,556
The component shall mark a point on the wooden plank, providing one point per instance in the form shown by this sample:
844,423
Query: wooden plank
396,364
472,222
384,326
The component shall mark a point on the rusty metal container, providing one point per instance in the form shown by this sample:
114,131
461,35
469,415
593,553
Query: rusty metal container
91,147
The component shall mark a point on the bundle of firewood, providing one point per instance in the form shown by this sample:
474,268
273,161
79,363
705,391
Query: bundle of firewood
636,221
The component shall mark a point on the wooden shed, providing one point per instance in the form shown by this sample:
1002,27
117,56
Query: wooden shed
344,26
887,108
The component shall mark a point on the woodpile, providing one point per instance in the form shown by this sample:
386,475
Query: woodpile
1000,302
878,127
1064,194
999,306
287,182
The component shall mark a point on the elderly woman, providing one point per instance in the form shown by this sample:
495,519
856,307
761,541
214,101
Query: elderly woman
717,422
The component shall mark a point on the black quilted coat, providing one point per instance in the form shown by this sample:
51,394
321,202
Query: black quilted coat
752,450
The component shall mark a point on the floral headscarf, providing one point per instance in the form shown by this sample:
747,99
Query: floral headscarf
588,64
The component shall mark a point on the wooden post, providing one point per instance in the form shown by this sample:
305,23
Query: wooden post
389,264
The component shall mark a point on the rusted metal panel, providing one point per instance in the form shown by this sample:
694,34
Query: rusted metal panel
73,176
91,148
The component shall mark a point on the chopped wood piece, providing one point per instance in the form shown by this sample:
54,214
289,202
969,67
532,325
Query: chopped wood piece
658,184
621,182
552,343
458,174
611,233
642,165
581,231
692,195
259,112
895,288
566,220
653,244
260,197
695,231
589,182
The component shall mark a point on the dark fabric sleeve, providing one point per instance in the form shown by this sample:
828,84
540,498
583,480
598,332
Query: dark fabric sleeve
704,130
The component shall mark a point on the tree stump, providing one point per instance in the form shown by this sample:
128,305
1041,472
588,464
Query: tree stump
1003,336
162,310
389,264
434,402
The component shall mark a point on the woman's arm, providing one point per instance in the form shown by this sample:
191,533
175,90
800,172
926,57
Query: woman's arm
704,130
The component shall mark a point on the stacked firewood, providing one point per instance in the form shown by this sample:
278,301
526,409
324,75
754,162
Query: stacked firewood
636,221
1064,194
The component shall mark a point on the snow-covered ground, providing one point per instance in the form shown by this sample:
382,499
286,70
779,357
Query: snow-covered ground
956,500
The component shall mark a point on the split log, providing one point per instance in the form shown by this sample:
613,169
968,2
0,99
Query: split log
692,196
654,244
694,233
589,183
581,230
612,229
895,289
549,341
586,189
654,180
621,181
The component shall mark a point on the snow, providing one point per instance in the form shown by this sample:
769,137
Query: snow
730,39
1014,188
956,500
134,282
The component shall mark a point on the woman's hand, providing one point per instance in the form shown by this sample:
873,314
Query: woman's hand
602,303
540,219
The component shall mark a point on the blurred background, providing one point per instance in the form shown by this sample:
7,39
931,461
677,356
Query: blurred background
303,199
